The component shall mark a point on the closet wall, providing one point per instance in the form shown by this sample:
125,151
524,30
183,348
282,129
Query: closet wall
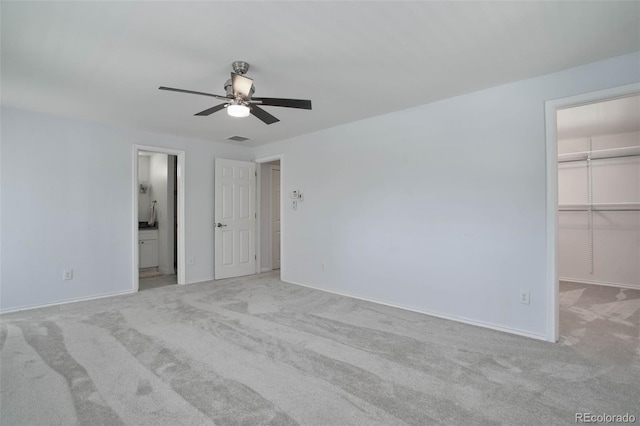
599,202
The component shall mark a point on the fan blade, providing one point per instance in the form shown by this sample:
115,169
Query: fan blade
241,84
211,110
279,102
193,93
263,115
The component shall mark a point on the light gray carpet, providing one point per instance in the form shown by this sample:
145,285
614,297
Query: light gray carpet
257,351
601,323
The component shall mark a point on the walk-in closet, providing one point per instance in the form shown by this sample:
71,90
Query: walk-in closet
599,193
599,225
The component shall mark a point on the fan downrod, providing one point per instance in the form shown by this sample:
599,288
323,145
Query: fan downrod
240,67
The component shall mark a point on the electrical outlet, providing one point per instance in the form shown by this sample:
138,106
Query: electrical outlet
191,260
67,274
323,266
294,204
524,297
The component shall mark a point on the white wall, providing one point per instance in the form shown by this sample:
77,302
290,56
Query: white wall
616,235
67,203
438,208
144,200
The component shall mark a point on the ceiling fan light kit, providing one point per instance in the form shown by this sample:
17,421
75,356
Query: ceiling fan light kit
238,110
239,100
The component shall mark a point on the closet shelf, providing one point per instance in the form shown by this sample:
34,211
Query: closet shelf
617,207
629,151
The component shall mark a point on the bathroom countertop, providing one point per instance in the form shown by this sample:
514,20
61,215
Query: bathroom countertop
145,225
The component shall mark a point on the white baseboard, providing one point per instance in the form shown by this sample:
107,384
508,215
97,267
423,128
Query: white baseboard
433,314
199,281
605,283
64,302
267,269
167,271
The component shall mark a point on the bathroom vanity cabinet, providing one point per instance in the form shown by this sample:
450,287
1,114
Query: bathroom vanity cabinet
148,248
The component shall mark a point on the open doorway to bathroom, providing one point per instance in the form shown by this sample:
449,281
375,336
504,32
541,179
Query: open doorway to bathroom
157,219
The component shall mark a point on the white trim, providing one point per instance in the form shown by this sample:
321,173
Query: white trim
166,271
67,301
203,280
180,171
431,313
551,107
278,157
267,269
604,283
269,159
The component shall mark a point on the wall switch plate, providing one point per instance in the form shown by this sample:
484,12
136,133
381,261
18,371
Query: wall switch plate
294,204
190,260
323,266
67,274
300,196
524,297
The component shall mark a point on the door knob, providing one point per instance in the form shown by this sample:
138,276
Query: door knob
219,225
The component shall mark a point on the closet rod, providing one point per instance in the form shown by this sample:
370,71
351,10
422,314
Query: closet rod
597,158
597,210
629,151
616,207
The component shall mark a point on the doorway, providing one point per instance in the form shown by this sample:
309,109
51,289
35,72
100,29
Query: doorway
593,200
599,222
269,246
275,215
158,224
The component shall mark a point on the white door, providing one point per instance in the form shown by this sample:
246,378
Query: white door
275,217
235,218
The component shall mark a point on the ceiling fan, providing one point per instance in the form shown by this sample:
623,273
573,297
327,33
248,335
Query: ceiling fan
239,100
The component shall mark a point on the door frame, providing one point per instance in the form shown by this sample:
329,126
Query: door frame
551,108
180,172
260,212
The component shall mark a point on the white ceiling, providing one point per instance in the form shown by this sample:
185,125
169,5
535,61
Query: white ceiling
602,118
103,61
